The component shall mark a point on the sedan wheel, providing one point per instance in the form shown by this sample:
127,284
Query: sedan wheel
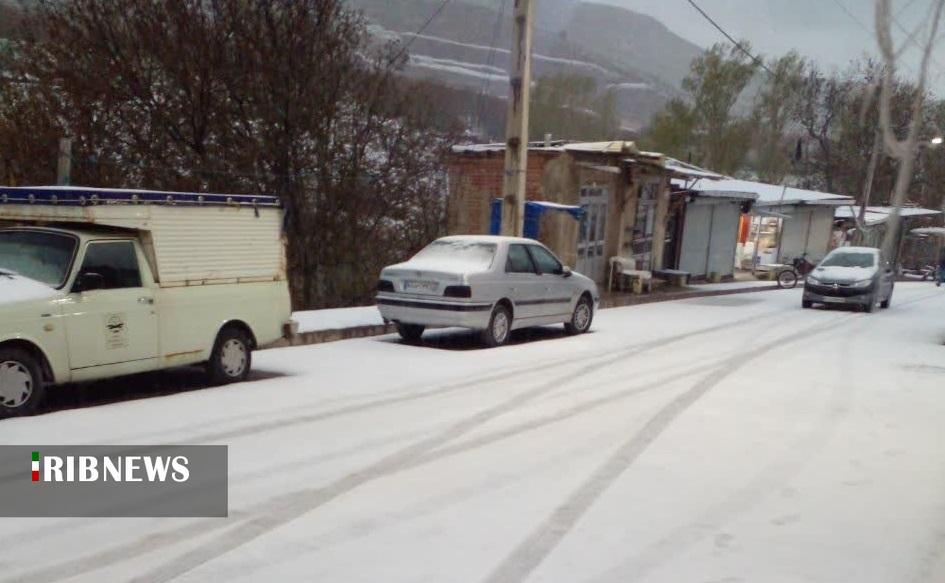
500,327
581,318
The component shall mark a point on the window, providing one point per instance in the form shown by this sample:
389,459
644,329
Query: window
116,262
38,255
547,263
519,260
470,253
850,259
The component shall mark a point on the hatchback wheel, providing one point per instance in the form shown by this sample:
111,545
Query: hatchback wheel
21,383
500,327
581,318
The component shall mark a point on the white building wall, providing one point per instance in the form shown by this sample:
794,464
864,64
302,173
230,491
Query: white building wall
710,234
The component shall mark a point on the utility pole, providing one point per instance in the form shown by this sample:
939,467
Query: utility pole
64,167
516,130
868,185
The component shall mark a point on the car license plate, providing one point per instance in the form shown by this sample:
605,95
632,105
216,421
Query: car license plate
833,300
412,285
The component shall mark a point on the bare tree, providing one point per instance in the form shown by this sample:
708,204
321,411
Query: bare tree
905,149
264,96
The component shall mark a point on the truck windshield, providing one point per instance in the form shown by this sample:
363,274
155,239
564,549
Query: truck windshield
38,255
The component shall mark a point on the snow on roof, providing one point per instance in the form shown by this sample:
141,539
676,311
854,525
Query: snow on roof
876,215
611,147
555,146
771,194
689,170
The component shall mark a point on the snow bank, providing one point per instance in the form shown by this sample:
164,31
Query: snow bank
315,320
16,288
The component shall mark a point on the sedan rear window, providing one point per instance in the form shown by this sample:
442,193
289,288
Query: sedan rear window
469,253
851,259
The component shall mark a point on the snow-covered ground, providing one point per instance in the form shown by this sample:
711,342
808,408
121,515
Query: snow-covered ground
741,284
730,438
314,320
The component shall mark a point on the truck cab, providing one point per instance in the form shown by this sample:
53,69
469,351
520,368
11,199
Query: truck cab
85,302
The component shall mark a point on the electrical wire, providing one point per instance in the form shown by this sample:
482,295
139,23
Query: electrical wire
731,39
420,31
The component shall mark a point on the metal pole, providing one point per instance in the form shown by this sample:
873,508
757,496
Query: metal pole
64,166
516,132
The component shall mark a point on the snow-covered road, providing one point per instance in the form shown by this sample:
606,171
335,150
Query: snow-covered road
731,438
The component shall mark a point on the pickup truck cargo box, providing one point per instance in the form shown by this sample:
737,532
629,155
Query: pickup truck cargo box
190,239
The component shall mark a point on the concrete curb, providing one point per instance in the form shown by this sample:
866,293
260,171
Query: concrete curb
333,335
655,298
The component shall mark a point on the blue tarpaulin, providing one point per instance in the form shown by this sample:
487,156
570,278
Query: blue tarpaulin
534,209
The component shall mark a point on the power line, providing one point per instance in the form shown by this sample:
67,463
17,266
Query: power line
420,31
490,62
731,39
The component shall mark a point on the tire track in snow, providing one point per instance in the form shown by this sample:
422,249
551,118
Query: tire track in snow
535,368
774,473
517,566
521,429
284,508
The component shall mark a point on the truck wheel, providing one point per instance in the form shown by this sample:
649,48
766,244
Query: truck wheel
581,318
231,359
22,388
500,327
411,333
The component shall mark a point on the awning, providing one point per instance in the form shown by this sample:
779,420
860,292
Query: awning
936,231
534,209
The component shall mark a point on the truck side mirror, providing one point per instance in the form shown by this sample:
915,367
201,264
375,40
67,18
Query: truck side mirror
88,281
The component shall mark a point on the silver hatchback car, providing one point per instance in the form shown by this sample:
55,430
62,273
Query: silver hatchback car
487,283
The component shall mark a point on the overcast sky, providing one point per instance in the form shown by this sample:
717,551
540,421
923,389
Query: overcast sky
815,28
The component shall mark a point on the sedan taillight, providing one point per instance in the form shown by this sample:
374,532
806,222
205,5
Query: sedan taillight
458,291
385,286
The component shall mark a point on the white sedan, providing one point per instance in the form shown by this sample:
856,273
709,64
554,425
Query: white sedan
487,283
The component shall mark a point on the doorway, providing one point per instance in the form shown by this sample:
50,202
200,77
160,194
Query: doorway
591,235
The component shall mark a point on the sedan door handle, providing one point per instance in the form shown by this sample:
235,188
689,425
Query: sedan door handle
148,301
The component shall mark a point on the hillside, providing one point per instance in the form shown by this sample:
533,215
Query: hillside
631,52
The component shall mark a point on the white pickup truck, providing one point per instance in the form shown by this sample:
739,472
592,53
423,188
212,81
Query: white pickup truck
100,283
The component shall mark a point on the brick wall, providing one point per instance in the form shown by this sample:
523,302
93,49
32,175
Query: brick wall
476,179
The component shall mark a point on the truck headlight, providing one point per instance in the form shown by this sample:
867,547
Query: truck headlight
862,283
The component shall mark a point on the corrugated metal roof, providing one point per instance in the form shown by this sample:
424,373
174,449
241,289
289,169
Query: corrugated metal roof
772,194
878,214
